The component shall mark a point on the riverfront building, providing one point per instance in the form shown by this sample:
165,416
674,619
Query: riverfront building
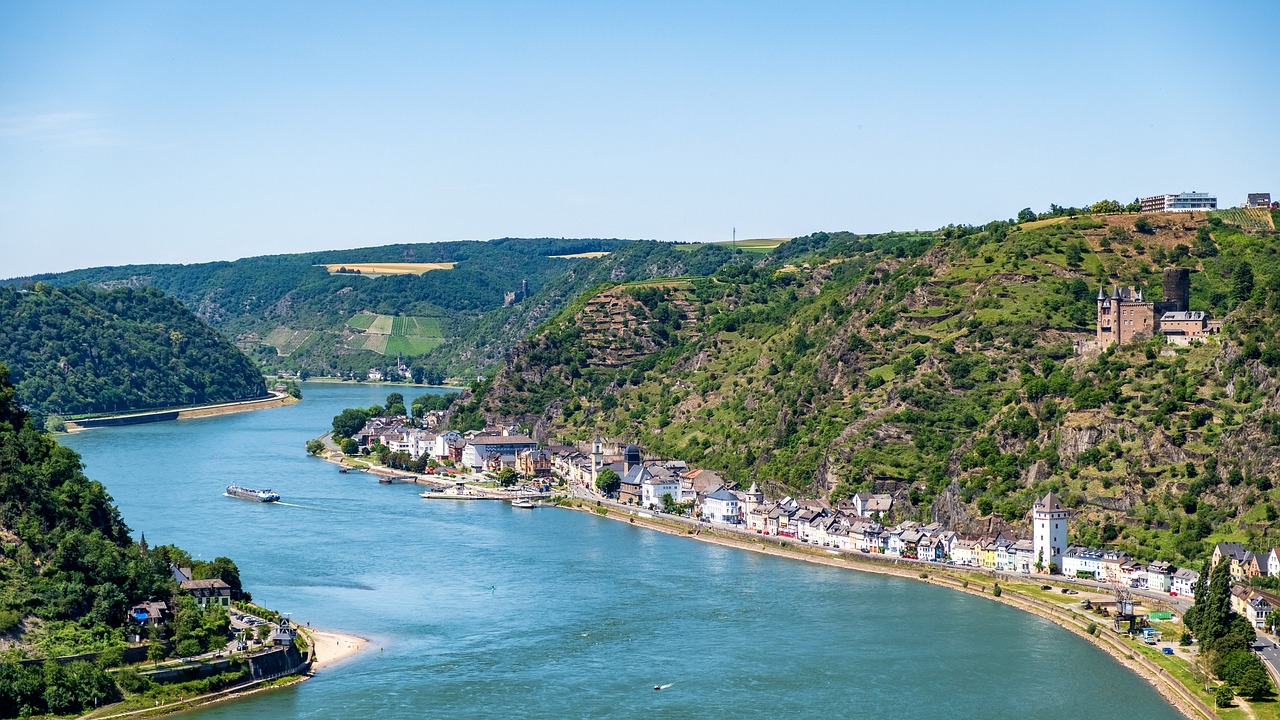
1049,533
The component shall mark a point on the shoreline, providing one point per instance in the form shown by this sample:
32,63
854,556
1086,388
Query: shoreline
274,400
1173,692
340,381
328,647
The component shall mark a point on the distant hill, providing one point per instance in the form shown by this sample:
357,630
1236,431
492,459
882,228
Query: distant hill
453,308
79,350
942,367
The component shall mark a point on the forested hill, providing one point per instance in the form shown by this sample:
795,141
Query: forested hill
301,313
77,350
943,367
69,573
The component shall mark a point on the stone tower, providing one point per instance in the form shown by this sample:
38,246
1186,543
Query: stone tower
1124,316
1049,532
751,499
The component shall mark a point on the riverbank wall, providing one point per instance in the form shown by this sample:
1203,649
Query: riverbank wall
1172,690
271,400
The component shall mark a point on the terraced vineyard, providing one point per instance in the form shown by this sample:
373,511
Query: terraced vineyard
286,341
1255,219
394,335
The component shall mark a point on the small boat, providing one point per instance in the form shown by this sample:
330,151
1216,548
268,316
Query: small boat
384,480
244,493
342,470
523,503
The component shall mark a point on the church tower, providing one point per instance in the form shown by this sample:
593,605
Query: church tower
597,459
752,499
1049,533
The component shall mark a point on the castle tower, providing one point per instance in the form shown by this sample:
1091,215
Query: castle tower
1049,532
1124,316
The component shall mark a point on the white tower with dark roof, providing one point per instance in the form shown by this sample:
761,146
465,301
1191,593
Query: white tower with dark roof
1049,532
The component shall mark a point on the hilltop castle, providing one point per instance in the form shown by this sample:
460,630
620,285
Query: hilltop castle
1124,315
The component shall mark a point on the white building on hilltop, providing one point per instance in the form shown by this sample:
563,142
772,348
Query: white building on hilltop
1049,534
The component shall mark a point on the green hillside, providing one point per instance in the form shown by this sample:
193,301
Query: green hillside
69,573
942,367
290,313
77,351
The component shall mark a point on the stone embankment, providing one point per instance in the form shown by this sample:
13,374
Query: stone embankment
273,399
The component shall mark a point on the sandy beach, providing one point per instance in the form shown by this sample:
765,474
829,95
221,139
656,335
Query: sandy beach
331,647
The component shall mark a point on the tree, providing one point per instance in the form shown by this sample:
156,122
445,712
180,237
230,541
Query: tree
314,447
395,398
1223,696
1204,246
349,422
1143,225
350,447
507,477
607,481
668,503
1242,282
155,653
1074,255
1026,215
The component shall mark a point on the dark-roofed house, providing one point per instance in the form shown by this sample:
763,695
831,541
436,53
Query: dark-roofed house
208,592
1184,582
721,506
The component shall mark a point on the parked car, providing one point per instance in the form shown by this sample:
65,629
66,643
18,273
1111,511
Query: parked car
1167,651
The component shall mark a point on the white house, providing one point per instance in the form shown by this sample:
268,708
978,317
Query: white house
721,506
1082,562
1184,582
1273,563
869,504
655,485
962,553
443,441
1159,577
476,453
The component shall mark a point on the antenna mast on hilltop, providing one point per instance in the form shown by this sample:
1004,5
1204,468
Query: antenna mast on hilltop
735,237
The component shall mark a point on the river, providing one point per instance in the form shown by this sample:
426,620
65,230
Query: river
479,610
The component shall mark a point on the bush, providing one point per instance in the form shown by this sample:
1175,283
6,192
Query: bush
996,590
1223,696
133,682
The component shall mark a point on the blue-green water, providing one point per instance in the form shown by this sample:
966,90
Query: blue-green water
477,610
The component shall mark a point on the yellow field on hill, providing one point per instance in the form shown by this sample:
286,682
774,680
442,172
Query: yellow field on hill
389,268
751,245
576,256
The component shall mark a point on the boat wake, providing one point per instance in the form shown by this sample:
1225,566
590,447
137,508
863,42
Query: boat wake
663,687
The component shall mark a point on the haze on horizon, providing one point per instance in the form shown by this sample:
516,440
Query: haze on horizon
140,133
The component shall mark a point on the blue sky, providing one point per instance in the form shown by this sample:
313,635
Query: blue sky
187,132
